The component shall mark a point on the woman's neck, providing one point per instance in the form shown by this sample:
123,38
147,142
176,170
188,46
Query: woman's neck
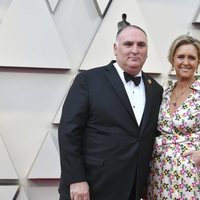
183,84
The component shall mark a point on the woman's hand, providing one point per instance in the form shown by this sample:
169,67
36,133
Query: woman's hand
194,155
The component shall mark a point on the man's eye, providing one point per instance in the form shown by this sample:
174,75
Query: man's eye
141,44
128,44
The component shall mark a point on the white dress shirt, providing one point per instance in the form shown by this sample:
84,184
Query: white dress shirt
136,94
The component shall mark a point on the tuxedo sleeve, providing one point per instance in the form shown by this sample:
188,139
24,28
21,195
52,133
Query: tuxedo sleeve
70,132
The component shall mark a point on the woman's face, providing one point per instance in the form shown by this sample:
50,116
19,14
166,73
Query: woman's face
186,61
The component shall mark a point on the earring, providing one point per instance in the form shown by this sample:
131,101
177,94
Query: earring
172,69
197,70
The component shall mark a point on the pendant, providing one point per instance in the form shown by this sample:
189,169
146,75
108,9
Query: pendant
174,103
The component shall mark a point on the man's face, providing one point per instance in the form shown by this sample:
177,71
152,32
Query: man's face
131,50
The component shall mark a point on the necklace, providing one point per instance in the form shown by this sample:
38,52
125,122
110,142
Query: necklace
177,97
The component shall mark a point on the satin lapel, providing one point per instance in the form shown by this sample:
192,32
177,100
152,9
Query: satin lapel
114,79
148,91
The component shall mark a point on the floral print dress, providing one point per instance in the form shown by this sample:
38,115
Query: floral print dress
172,176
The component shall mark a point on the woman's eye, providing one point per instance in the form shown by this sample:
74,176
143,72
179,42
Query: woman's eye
192,58
180,57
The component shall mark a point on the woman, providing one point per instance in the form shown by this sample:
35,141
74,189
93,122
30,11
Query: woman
175,166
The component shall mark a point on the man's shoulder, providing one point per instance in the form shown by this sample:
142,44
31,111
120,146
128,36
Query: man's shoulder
98,69
150,78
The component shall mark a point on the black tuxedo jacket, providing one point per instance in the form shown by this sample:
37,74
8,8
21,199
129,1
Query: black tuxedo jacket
100,141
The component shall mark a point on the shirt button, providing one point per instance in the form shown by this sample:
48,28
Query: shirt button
133,106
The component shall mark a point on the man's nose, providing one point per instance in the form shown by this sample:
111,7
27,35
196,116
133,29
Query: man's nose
134,49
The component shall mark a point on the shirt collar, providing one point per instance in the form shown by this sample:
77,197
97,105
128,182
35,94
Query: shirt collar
121,72
194,86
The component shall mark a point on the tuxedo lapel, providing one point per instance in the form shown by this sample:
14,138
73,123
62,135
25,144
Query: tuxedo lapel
147,109
114,79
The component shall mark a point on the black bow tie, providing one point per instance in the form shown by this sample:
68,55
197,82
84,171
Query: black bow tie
135,79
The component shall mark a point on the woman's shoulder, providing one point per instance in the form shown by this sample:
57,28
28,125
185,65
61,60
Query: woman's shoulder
196,85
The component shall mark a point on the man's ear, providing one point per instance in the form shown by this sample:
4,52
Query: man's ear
115,49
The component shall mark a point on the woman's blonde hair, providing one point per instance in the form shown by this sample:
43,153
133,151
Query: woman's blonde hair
182,40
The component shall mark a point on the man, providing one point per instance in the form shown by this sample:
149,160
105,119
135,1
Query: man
108,125
123,23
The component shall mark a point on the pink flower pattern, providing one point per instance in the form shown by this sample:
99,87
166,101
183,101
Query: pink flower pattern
173,176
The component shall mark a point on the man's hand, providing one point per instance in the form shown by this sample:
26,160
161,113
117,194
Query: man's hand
194,155
79,191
